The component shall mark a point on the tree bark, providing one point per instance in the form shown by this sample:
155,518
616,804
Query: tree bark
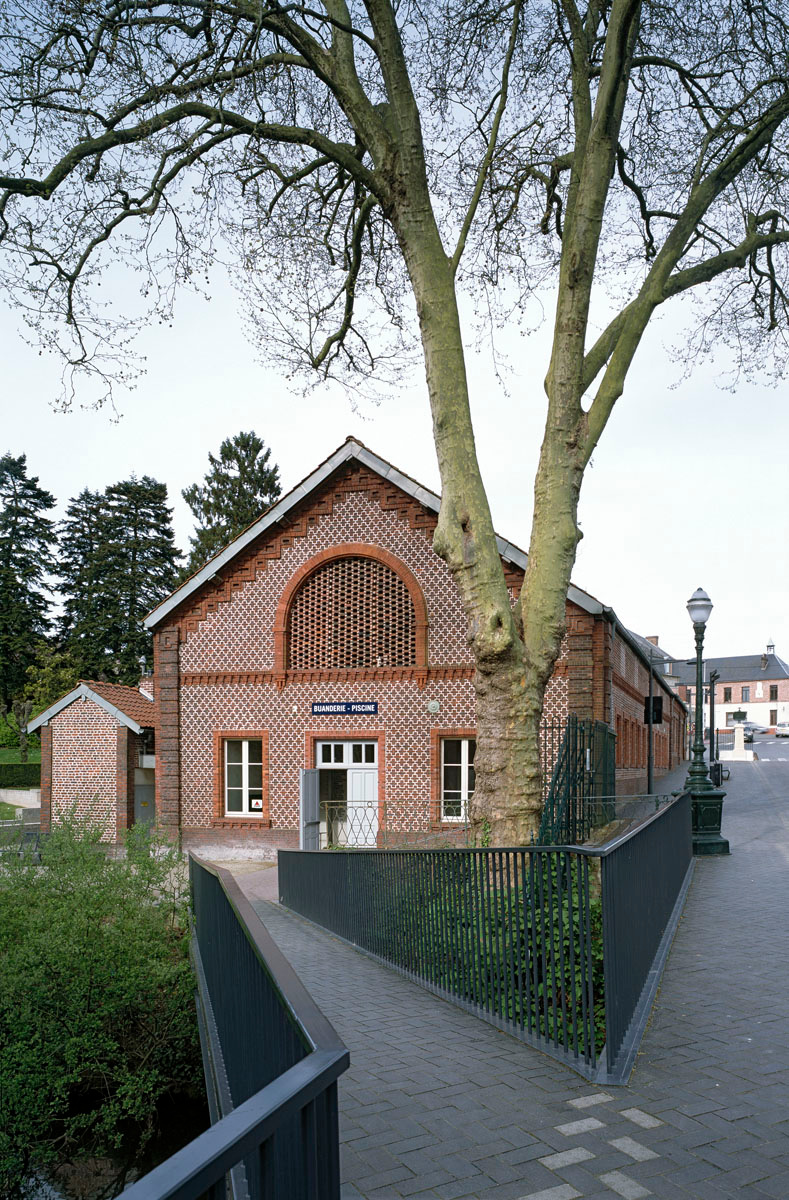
507,802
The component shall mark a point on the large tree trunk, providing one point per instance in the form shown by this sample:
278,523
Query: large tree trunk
510,688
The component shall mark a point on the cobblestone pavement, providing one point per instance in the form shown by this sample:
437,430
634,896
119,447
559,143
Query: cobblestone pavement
439,1104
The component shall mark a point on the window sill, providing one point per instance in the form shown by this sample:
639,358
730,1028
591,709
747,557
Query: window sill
241,822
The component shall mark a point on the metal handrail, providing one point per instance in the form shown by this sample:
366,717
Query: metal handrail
191,1171
510,933
238,1145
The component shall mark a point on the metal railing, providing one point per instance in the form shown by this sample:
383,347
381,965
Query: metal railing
645,873
406,824
272,1062
584,771
724,740
388,825
538,941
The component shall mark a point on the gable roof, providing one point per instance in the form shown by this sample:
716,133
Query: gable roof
128,705
738,668
656,654
350,450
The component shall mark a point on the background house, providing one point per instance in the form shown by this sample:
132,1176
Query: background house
98,756
750,687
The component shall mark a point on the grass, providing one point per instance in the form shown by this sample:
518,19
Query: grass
10,754
7,811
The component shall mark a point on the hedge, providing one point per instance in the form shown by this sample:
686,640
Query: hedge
20,775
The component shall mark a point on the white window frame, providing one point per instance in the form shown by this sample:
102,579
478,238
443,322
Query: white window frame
465,794
342,754
245,764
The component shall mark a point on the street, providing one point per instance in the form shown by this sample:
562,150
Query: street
771,749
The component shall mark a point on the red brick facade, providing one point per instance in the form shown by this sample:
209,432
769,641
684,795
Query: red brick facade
223,664
630,681
341,598
89,756
85,764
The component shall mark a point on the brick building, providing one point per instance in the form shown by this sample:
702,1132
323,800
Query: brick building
749,687
323,655
330,637
97,756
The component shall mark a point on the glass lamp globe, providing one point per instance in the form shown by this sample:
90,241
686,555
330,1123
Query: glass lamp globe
699,607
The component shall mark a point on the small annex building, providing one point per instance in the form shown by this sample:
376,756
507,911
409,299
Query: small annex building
322,656
98,756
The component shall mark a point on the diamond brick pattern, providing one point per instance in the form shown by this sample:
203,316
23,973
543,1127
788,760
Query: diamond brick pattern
239,635
402,709
227,658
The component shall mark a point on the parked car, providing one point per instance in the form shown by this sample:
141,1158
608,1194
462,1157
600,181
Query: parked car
751,728
782,729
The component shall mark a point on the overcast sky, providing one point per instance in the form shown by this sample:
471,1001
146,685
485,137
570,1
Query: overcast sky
687,489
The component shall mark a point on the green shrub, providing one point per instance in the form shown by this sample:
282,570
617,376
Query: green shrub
517,954
20,775
97,1020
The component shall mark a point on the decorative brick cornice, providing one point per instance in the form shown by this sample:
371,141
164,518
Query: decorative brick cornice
351,479
422,676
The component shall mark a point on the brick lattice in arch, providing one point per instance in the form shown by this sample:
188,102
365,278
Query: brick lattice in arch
352,606
352,612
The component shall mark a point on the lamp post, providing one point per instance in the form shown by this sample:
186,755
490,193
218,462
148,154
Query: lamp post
714,677
699,608
706,799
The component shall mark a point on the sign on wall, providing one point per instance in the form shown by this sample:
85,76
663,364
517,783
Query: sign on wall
345,708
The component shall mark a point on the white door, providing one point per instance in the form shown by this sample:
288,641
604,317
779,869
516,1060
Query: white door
362,819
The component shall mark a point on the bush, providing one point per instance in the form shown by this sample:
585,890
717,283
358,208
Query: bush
513,953
97,1020
9,731
20,775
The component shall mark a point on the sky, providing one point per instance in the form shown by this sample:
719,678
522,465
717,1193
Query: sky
687,489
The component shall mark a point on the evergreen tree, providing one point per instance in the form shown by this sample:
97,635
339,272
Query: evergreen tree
84,551
238,488
26,538
54,673
138,562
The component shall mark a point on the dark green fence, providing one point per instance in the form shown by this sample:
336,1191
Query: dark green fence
583,778
556,945
271,1059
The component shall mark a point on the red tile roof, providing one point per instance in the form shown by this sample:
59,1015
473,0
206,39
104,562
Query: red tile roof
129,700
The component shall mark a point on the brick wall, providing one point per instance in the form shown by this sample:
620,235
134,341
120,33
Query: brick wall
630,682
84,741
231,680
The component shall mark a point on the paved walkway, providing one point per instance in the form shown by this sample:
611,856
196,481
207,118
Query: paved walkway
438,1104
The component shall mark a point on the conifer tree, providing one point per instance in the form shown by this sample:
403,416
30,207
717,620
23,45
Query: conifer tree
82,569
238,488
138,565
26,538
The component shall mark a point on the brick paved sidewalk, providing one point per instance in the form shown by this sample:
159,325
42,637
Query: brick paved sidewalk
438,1104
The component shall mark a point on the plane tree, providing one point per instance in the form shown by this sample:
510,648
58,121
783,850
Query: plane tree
367,162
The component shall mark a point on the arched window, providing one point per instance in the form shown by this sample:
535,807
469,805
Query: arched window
352,612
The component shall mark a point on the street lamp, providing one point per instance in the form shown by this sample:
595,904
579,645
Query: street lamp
699,609
714,677
706,799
